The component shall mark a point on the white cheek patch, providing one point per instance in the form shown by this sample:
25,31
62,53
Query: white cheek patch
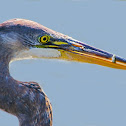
38,53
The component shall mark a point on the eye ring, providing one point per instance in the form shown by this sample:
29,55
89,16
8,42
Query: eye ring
44,39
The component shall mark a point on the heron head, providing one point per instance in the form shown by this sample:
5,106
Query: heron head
28,39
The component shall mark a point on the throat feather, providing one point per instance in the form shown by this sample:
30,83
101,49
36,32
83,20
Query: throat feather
37,53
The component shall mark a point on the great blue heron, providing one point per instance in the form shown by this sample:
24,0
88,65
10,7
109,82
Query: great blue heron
19,39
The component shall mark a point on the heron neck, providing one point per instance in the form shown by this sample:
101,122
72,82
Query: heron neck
4,70
4,67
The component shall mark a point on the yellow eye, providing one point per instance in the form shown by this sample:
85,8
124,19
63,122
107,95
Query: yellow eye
44,39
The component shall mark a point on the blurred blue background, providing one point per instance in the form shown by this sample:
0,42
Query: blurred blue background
81,94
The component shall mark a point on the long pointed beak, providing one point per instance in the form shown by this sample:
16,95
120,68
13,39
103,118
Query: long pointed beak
74,50
81,52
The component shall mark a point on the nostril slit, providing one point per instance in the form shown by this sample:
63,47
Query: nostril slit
82,47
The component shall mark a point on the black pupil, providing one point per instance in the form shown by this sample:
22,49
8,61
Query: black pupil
44,39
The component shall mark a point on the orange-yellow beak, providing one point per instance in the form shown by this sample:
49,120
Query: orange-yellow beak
73,50
81,52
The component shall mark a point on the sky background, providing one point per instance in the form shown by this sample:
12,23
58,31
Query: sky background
81,94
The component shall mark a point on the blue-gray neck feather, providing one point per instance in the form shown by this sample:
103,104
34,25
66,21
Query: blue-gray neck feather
25,100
